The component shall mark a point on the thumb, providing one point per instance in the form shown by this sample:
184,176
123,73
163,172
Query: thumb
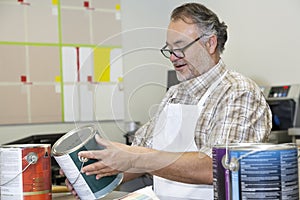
87,154
95,154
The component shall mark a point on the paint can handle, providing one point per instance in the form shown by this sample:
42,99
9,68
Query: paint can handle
82,159
32,158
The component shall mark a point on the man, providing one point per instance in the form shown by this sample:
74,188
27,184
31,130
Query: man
212,105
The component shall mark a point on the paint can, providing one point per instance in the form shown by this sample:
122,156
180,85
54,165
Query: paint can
221,175
65,151
25,172
256,171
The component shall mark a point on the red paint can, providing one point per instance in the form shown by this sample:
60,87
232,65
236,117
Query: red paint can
25,172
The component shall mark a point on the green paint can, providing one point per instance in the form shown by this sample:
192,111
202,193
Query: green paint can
65,151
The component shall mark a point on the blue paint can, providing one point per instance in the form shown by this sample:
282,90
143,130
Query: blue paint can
258,171
65,152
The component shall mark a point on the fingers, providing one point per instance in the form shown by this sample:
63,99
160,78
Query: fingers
95,154
69,186
93,168
98,176
71,189
99,169
61,172
87,154
105,171
90,154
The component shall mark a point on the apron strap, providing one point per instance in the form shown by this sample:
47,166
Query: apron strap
210,89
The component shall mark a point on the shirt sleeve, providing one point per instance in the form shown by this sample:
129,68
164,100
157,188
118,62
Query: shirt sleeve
143,136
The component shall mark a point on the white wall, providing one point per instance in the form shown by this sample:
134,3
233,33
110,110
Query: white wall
263,44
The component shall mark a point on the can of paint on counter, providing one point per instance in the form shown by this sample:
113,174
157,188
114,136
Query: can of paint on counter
25,172
221,174
257,171
65,151
221,179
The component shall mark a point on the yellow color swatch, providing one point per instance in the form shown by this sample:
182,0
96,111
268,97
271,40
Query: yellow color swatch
118,7
57,78
120,79
102,64
54,2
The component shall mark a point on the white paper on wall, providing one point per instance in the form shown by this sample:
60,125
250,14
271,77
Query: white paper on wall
116,65
71,103
86,103
69,68
86,60
69,64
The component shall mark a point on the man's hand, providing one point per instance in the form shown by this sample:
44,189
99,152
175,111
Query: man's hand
69,185
187,167
115,158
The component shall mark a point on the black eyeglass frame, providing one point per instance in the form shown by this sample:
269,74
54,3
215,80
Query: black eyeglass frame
163,50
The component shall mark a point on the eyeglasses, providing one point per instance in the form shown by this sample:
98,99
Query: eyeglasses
179,53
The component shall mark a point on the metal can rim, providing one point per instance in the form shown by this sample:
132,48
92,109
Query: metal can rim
68,134
253,146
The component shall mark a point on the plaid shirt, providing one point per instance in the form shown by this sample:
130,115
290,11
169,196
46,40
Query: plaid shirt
236,110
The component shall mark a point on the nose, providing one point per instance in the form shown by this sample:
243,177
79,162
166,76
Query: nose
173,57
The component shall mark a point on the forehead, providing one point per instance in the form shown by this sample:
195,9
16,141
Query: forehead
180,31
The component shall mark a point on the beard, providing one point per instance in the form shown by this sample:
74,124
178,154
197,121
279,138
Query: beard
183,77
193,71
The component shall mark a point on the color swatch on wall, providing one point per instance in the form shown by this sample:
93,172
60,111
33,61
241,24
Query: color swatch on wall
48,54
82,68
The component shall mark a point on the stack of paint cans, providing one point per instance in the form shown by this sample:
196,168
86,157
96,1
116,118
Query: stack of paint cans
25,172
65,152
255,171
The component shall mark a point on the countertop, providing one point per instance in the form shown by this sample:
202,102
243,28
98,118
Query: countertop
68,196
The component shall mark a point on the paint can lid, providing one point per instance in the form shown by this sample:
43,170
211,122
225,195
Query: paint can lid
73,140
255,146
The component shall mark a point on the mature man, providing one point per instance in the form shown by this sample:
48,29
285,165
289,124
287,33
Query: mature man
211,105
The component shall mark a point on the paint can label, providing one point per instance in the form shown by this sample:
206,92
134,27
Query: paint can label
25,172
221,176
270,174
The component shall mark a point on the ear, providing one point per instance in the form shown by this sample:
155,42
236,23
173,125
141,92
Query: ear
211,44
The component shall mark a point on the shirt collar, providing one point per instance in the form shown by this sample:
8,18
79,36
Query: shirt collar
196,85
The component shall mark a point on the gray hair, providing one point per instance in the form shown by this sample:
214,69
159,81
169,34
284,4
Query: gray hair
206,20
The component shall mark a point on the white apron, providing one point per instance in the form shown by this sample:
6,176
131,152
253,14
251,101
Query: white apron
175,132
